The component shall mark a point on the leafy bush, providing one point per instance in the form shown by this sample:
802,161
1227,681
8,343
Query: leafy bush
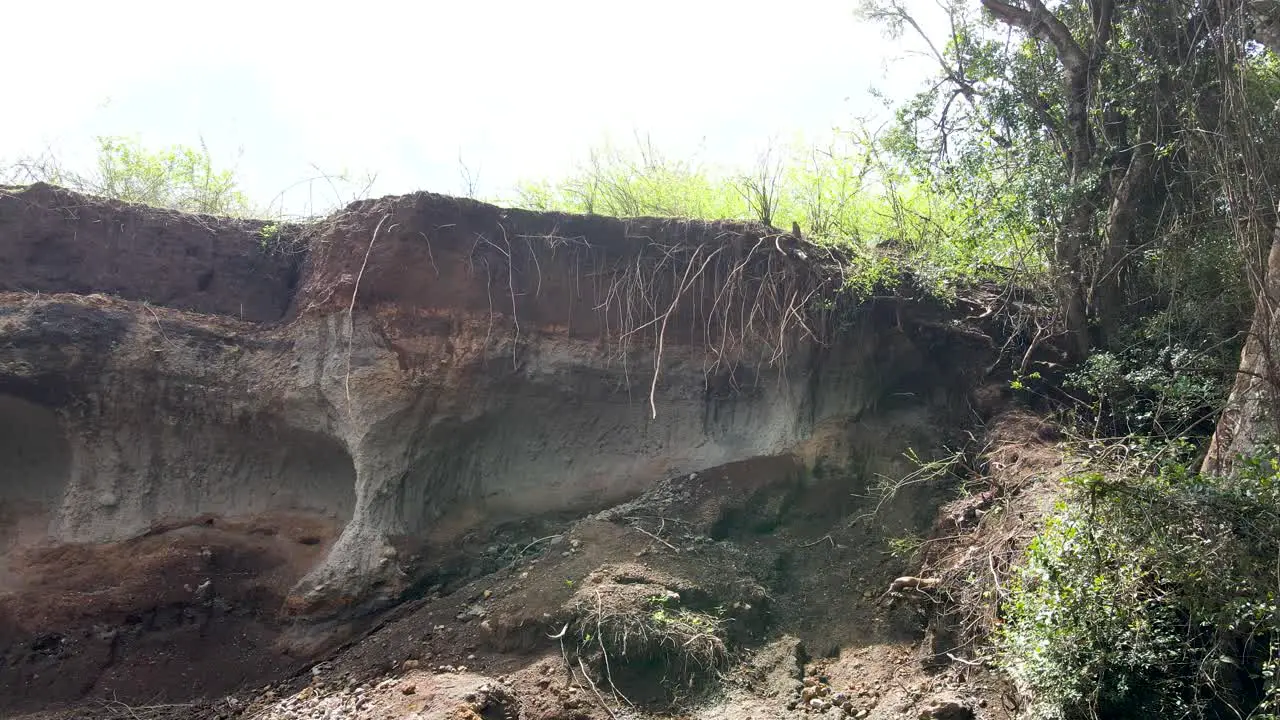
850,192
177,177
1152,598
1151,391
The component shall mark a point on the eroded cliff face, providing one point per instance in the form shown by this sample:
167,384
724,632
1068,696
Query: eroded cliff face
298,422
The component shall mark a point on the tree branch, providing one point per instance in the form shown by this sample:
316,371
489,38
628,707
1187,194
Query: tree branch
1036,20
1103,12
895,11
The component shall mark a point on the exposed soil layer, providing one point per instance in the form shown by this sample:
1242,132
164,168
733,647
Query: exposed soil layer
421,430
182,612
58,241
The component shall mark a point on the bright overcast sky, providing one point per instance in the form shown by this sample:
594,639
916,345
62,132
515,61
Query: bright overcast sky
516,89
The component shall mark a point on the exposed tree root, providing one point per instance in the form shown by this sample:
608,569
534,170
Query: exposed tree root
744,297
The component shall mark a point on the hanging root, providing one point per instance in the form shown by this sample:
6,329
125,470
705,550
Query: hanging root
351,323
757,300
745,298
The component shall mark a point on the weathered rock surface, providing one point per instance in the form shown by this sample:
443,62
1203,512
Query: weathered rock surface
338,410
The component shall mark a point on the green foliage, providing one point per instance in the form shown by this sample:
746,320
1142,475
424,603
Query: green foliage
848,192
1150,198
270,235
1151,391
669,617
177,177
1019,381
1155,597
180,178
646,182
906,547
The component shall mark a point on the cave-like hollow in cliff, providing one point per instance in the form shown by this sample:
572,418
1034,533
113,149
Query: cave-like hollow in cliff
37,465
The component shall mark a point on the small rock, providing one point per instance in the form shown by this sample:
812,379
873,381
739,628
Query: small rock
946,708
815,704
472,612
411,664
408,689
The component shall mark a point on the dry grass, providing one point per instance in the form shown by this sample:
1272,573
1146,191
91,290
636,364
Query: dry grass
116,710
621,618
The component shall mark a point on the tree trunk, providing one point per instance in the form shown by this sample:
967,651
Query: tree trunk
1077,226
1251,419
1078,64
1070,282
1107,295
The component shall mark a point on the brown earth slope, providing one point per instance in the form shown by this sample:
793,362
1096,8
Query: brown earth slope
230,447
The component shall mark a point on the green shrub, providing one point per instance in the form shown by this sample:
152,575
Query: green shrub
177,177
1151,390
850,192
1152,598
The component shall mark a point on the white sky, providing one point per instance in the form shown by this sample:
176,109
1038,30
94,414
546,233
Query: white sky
518,89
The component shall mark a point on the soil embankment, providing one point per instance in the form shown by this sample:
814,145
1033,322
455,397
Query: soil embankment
230,446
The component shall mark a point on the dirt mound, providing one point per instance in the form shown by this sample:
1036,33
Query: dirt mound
648,635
